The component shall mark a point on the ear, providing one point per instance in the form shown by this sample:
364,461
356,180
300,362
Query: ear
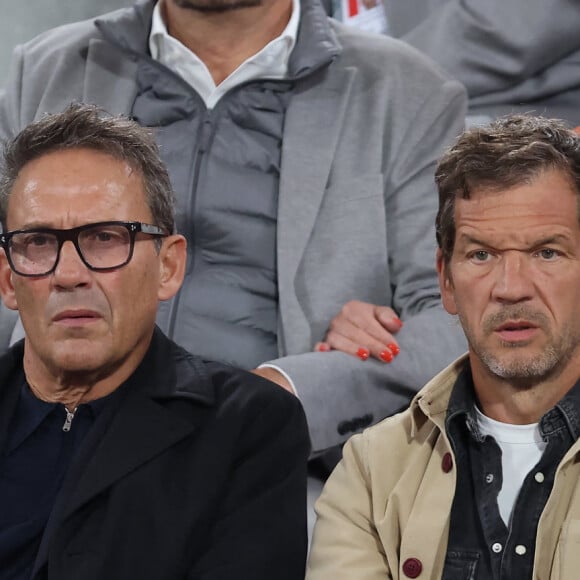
173,257
445,284
6,286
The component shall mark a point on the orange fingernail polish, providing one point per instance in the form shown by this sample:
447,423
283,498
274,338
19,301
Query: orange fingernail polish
323,347
386,356
362,353
394,348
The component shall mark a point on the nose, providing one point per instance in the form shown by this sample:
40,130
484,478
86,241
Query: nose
514,280
70,272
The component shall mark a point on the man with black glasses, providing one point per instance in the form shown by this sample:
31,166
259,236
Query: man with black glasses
121,454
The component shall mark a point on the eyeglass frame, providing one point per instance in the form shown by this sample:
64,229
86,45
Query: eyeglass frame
72,235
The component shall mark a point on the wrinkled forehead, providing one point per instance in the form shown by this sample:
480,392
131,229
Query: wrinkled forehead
521,217
66,188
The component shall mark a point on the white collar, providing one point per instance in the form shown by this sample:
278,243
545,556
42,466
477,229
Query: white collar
270,62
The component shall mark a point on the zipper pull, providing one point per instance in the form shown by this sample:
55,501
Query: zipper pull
68,421
204,135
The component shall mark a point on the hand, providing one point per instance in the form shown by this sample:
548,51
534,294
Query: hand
274,376
362,329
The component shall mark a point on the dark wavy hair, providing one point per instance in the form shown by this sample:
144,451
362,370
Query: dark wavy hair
508,152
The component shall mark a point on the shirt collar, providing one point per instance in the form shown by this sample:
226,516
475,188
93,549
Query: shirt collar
565,415
31,412
159,37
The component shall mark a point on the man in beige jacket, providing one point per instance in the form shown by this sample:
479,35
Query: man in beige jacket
480,479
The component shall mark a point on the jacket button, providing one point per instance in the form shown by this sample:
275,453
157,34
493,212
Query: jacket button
344,427
412,567
447,463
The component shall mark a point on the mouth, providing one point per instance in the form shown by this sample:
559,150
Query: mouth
516,330
79,317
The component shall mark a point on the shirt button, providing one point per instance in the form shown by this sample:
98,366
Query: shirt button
520,550
412,567
497,547
447,463
489,478
539,477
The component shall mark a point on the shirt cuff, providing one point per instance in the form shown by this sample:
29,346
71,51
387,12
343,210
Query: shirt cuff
283,373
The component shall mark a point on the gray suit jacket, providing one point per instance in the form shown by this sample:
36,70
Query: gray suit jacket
520,55
357,199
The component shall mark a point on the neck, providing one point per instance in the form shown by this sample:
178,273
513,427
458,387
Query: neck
520,404
71,398
73,387
224,40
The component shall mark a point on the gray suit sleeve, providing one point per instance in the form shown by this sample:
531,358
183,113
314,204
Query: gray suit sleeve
496,46
342,394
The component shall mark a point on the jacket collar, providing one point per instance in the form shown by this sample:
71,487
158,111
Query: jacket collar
316,44
431,402
439,396
128,28
188,379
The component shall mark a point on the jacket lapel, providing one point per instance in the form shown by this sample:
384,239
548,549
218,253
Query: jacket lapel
161,404
140,430
112,61
314,120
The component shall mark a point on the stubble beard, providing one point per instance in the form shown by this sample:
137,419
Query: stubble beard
216,6
527,370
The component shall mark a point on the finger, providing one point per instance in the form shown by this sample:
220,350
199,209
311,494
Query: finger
322,347
359,343
388,319
343,344
362,329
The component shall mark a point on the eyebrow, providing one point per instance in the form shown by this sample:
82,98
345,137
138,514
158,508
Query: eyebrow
554,239
34,226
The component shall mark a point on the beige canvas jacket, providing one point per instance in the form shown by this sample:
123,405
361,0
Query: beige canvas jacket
384,512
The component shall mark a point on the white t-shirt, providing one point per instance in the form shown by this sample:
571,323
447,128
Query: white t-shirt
521,449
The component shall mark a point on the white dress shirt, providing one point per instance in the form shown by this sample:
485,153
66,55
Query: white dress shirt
269,63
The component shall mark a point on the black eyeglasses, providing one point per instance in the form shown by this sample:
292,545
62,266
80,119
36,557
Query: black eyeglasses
102,246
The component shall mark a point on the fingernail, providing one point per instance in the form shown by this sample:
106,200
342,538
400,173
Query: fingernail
323,347
386,356
394,348
362,353
398,320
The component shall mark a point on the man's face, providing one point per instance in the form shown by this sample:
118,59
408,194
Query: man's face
77,320
216,5
514,279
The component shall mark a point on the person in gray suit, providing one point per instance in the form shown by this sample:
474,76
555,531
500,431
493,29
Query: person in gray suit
511,55
302,154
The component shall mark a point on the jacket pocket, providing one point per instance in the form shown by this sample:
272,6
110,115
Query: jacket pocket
460,565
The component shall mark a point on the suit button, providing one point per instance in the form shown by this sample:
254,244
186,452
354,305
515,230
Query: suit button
412,567
447,463
366,420
355,424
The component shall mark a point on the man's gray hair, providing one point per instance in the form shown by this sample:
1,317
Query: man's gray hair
82,126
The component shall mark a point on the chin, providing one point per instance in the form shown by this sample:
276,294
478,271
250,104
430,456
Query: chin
520,368
80,356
